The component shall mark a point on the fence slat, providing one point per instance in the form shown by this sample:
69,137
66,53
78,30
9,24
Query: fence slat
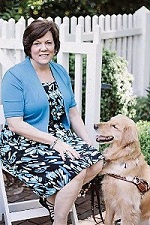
130,44
94,21
113,27
119,40
88,24
58,21
124,41
107,28
73,24
102,26
81,21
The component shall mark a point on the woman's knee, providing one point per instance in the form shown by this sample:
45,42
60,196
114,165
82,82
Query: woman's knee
96,168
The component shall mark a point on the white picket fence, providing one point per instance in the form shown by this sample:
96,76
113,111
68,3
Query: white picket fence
11,52
128,35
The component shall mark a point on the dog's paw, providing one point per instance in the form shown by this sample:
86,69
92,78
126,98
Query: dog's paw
107,157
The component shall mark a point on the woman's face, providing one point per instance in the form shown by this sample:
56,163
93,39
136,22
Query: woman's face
43,49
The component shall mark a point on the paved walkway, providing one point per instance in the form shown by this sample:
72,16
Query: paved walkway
83,207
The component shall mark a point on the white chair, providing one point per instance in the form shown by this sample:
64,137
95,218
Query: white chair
26,209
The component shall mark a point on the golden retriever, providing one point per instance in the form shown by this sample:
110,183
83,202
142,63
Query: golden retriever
127,176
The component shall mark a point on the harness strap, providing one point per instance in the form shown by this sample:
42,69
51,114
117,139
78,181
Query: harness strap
140,183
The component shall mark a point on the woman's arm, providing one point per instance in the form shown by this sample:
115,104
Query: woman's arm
17,125
78,125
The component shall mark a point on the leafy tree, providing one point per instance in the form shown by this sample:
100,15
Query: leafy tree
120,7
53,8
9,9
16,8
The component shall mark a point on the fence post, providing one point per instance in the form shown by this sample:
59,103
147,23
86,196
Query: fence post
93,84
5,61
142,54
78,70
19,29
63,58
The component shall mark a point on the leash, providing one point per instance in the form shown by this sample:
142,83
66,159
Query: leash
140,183
95,187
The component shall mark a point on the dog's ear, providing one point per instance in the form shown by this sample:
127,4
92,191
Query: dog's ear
130,136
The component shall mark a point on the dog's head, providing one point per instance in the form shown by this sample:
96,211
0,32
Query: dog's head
120,130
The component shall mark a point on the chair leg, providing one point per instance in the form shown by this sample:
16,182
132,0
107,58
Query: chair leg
1,206
4,205
4,208
73,215
1,216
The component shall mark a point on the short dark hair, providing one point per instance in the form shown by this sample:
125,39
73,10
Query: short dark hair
37,29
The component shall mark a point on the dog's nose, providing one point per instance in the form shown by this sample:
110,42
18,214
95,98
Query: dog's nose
95,126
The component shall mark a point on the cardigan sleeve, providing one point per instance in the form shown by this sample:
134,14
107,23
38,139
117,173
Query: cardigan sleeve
12,95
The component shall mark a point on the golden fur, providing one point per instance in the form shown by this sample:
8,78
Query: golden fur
123,157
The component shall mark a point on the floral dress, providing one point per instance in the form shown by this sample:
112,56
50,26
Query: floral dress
38,165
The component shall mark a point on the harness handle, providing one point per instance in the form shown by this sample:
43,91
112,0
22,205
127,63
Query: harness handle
140,183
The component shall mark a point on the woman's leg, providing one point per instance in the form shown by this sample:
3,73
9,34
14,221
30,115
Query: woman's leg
65,198
92,171
67,195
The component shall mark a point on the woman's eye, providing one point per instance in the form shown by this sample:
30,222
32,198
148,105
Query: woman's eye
36,43
49,43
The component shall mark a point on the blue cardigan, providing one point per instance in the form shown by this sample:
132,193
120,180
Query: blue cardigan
24,96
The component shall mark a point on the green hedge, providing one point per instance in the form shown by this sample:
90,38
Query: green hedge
120,98
144,137
142,107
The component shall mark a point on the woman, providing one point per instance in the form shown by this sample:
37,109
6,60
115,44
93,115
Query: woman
37,142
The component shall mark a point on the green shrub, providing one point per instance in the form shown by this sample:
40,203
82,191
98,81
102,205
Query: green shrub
142,110
144,137
142,107
148,97
71,73
120,98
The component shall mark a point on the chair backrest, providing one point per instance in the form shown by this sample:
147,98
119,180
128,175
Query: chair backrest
2,118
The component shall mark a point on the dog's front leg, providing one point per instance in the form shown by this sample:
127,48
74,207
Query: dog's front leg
130,214
109,215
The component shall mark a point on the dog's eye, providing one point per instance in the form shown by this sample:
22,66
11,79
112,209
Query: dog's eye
114,126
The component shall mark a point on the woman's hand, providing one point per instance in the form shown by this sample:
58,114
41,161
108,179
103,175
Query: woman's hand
65,149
